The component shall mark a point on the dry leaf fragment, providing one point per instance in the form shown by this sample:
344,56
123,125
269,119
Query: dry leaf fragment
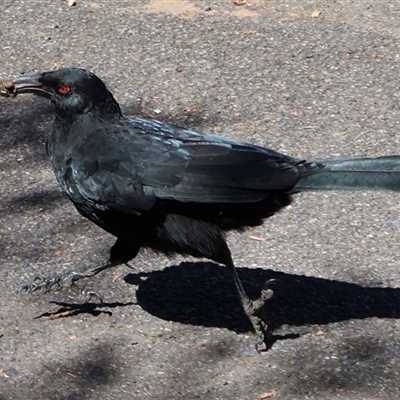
73,337
259,238
61,314
191,107
320,332
250,32
116,277
70,373
316,13
2,373
239,2
266,395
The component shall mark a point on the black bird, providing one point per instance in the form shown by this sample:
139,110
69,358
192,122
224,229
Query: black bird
155,185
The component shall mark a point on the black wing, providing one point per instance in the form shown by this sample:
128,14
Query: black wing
137,161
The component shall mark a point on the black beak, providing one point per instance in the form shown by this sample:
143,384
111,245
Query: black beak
31,84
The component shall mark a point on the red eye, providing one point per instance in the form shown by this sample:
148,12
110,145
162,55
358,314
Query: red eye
64,89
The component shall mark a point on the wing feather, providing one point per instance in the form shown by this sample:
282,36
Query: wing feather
141,160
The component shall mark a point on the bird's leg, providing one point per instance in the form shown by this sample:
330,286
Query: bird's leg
253,309
68,279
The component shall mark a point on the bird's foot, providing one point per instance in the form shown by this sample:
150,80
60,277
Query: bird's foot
66,280
49,284
256,313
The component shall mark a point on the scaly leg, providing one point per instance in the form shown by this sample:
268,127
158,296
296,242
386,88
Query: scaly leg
253,309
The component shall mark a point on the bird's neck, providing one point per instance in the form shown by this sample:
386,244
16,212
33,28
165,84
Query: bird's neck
90,116
108,109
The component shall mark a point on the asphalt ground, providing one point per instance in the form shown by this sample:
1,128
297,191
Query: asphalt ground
311,79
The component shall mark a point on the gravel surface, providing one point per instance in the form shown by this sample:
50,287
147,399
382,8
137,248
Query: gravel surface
312,79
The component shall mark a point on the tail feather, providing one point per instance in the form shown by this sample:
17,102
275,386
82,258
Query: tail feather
382,173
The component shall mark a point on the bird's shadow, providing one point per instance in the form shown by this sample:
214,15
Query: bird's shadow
201,293
73,309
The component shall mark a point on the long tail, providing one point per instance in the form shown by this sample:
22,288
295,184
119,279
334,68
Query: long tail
382,173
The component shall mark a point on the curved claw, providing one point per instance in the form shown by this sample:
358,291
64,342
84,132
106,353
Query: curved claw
23,288
268,282
89,295
266,294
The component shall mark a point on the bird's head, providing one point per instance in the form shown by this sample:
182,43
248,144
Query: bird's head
73,91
